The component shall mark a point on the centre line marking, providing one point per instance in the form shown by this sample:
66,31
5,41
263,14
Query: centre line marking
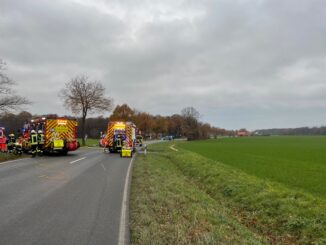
77,160
103,166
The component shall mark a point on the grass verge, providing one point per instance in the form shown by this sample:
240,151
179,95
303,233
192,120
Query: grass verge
167,208
4,156
90,142
181,197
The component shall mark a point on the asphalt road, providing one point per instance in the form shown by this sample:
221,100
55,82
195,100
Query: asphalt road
74,199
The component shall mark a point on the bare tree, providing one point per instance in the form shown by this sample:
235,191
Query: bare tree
82,96
190,112
191,116
8,99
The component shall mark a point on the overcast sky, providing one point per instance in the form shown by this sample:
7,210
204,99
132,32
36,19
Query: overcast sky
242,63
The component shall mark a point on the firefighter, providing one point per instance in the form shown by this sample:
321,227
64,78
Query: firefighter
18,149
34,143
118,142
11,142
40,142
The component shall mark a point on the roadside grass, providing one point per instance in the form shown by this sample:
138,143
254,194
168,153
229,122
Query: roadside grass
4,156
90,142
296,161
167,208
182,197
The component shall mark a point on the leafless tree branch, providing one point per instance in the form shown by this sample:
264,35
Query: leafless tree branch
83,96
8,99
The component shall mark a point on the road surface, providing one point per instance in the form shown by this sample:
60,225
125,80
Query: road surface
74,199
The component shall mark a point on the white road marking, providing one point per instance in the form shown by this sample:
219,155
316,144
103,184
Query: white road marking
103,166
14,161
124,207
77,160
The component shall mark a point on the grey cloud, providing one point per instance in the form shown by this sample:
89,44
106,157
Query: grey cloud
238,62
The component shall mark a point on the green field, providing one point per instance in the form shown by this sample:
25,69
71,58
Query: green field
297,162
259,190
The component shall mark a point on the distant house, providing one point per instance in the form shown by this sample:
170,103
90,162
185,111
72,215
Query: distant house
243,133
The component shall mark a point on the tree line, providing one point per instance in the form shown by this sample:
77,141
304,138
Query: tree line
186,124
292,131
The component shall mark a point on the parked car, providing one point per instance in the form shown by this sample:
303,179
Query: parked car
169,137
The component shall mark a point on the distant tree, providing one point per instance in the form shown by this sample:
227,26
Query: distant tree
96,125
160,126
50,116
292,131
145,122
190,112
191,116
12,122
220,132
176,125
122,113
83,96
205,131
8,99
